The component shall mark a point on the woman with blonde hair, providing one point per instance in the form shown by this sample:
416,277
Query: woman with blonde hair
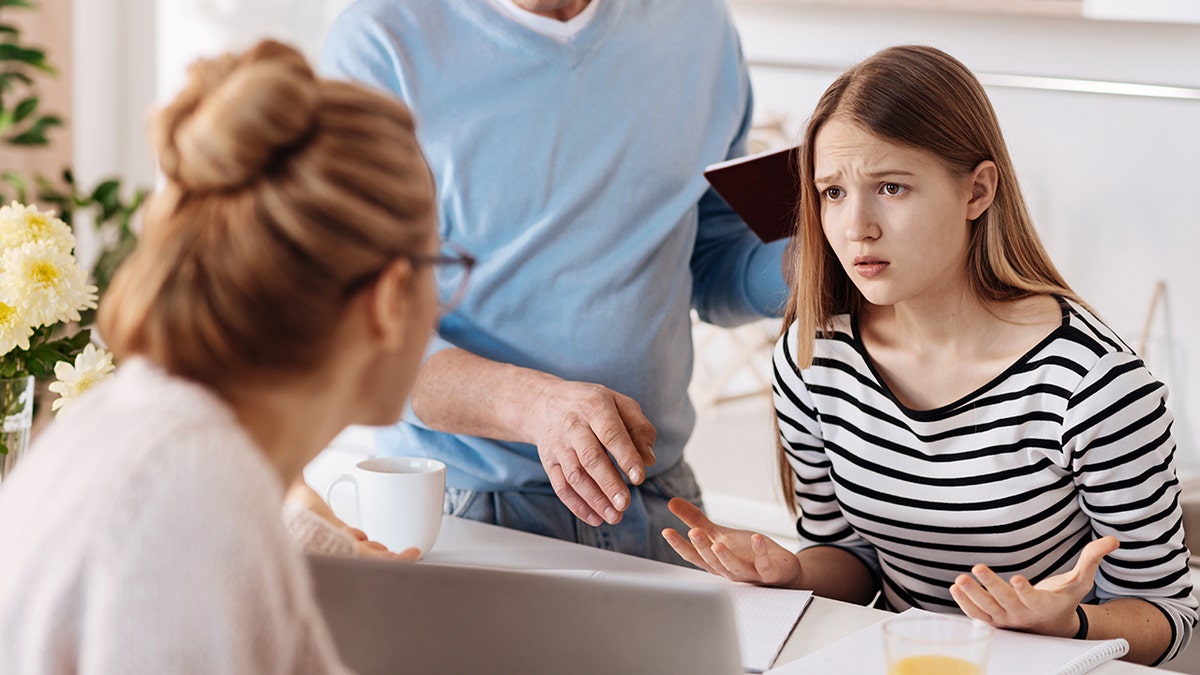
282,289
959,432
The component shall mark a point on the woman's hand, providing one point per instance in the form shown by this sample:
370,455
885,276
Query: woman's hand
300,493
1047,608
739,555
367,548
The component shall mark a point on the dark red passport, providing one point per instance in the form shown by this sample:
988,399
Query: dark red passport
764,189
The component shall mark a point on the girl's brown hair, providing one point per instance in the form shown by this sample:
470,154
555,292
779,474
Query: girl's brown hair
924,98
281,190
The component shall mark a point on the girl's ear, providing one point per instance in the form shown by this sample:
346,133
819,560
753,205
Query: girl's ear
389,304
983,188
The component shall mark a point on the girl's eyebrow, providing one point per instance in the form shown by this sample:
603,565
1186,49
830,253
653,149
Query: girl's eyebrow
874,174
890,172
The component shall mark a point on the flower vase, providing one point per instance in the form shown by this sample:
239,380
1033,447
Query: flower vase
16,404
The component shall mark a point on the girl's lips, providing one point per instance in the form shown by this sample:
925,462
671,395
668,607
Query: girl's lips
869,267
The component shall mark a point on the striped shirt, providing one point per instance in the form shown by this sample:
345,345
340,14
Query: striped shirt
1071,442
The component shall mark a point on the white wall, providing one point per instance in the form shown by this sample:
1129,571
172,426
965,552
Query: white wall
189,29
131,55
113,64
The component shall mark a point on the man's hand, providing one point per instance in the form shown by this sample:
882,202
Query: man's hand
580,431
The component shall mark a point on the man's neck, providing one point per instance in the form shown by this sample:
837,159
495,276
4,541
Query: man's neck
558,10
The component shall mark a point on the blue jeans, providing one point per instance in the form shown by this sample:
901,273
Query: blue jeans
639,532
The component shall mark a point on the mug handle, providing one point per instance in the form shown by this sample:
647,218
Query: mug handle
344,478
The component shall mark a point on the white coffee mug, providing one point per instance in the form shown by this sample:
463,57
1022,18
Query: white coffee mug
399,500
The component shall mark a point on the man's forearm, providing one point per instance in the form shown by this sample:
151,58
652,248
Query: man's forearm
580,429
462,393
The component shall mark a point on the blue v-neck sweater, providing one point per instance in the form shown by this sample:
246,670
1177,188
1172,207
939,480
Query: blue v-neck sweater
573,171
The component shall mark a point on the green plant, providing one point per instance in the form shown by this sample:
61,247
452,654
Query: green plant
23,125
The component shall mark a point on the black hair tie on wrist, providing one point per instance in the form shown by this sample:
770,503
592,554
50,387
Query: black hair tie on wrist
1081,634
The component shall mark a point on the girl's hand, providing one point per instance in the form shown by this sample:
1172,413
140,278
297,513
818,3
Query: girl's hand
739,555
1047,608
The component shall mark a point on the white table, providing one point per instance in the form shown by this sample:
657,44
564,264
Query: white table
468,542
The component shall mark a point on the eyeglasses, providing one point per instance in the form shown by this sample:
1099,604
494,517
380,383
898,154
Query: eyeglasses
451,269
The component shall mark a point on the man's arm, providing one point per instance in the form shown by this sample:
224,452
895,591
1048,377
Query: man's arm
579,429
737,278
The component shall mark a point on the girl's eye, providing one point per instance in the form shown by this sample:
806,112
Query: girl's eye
892,189
833,193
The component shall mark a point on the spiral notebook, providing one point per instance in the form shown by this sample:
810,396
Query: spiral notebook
1013,653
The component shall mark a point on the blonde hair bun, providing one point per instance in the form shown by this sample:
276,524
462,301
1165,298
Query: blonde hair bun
236,116
283,190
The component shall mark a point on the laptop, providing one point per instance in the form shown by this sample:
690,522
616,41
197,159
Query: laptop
389,617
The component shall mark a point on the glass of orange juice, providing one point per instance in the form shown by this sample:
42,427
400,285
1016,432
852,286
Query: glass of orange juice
936,645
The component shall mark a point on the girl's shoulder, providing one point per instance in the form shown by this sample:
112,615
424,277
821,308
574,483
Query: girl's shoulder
839,343
841,328
1084,327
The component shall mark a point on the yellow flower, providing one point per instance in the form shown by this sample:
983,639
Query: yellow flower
91,366
14,330
20,224
44,284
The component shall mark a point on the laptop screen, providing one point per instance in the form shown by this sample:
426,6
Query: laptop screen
389,617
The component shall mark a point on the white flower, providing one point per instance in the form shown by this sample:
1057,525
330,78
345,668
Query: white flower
91,366
44,284
20,224
14,330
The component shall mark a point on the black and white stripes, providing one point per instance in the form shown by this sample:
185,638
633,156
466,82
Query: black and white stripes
1071,442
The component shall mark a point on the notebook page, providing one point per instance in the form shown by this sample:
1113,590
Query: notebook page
765,618
1013,653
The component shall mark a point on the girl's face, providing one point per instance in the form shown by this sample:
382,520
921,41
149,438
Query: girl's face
396,366
898,220
422,322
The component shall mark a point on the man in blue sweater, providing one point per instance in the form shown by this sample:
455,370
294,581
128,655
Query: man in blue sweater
567,139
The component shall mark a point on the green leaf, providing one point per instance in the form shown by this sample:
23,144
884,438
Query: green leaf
24,108
9,29
10,79
29,138
17,3
59,204
47,188
34,58
44,353
48,121
36,134
9,368
18,181
107,193
110,261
